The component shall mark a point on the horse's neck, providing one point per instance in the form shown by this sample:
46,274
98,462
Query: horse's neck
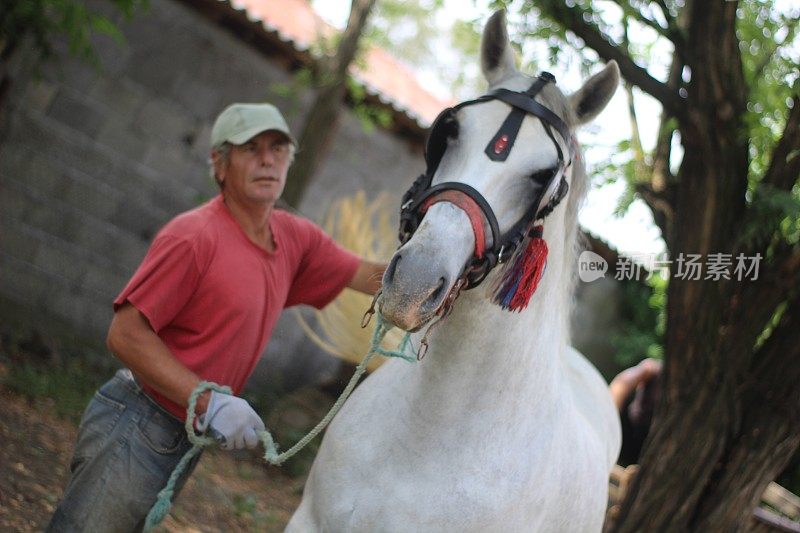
508,359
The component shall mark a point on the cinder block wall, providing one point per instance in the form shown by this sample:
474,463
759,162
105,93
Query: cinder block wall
93,163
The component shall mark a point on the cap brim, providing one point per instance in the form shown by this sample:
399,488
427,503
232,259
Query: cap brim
244,136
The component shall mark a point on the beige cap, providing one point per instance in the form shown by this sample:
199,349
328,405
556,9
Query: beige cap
239,123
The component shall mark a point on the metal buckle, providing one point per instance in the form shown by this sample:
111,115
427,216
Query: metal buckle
441,313
371,311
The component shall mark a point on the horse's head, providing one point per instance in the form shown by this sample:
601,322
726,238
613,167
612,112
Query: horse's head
495,165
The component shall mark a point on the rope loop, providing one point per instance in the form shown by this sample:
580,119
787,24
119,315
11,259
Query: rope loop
163,503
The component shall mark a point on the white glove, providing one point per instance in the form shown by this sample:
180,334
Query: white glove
231,421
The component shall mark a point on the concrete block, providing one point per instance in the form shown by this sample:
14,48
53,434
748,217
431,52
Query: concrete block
64,149
201,147
43,176
13,202
18,243
201,98
59,264
74,73
77,114
41,217
137,219
151,64
103,282
164,120
121,100
14,159
112,56
21,282
99,237
130,253
170,162
91,197
84,158
130,180
56,221
98,320
120,138
67,305
176,198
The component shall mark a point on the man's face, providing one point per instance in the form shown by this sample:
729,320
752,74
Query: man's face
255,172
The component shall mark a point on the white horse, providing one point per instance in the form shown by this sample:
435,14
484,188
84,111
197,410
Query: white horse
502,426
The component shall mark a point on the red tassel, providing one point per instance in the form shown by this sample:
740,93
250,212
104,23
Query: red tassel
515,289
532,267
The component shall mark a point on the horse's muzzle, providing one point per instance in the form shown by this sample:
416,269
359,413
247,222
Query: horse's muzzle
410,301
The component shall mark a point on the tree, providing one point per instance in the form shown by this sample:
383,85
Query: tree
320,126
729,419
41,21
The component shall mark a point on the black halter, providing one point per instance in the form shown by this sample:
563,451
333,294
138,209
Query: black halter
498,149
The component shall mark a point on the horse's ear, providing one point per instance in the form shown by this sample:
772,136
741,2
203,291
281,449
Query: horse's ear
592,98
497,56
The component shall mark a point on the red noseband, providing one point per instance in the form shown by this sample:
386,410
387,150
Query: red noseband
470,207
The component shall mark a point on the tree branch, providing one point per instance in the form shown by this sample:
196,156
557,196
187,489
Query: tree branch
322,119
791,29
572,18
661,206
671,32
784,168
662,174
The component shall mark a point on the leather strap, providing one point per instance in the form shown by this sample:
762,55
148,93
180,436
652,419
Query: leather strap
529,105
469,206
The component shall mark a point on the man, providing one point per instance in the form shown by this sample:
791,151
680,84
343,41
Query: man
201,306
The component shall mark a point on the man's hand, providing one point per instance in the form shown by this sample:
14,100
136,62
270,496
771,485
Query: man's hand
633,379
232,421
368,277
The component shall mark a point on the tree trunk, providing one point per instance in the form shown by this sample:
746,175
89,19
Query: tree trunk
322,120
728,421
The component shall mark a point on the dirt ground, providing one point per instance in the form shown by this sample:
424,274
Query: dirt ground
227,492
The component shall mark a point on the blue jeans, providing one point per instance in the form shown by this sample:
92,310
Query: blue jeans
127,448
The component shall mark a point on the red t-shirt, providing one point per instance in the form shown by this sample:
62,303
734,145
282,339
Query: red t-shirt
213,296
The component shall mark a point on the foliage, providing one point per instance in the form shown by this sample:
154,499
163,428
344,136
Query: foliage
66,376
772,208
369,115
407,28
43,21
643,321
768,40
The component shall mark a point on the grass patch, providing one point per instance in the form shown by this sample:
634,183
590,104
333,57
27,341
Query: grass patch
70,386
57,368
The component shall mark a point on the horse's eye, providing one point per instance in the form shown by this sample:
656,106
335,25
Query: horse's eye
544,175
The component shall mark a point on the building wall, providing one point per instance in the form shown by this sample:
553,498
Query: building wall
93,162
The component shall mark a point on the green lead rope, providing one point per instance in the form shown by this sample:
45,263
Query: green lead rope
163,504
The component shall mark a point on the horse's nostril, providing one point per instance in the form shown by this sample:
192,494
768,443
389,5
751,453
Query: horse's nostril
388,276
438,292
